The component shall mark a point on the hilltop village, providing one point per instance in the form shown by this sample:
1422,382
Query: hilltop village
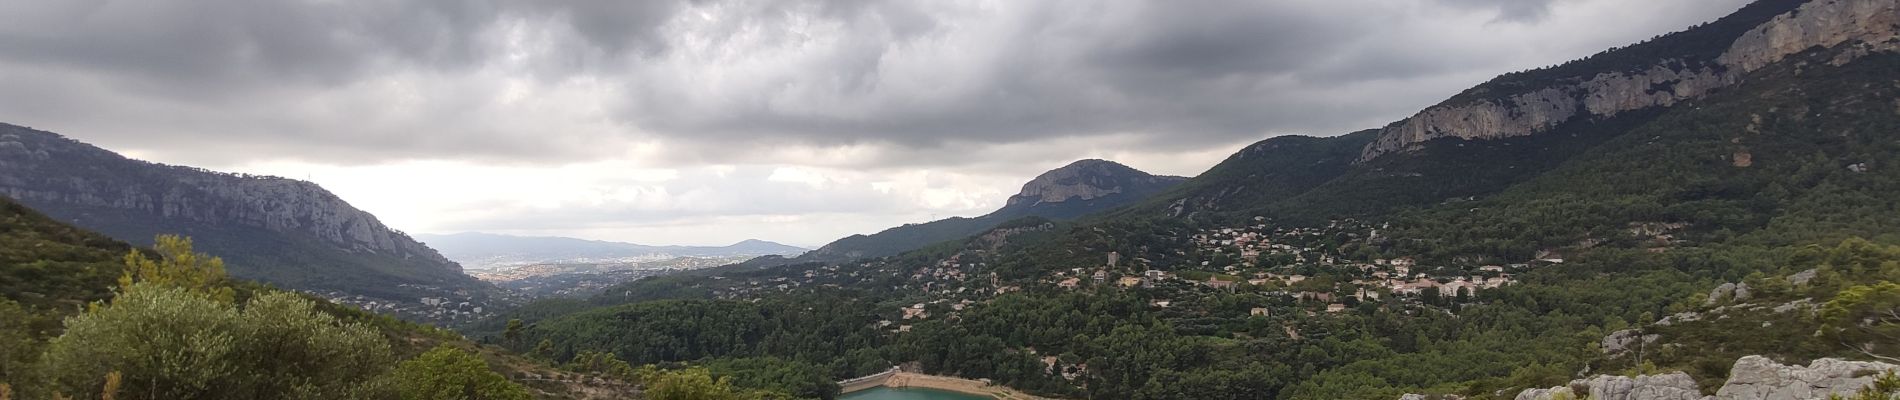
1265,269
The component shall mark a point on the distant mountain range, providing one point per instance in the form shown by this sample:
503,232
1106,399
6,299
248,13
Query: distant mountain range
1080,188
485,250
286,232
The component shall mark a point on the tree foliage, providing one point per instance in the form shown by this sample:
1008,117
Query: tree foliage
177,266
448,373
1866,318
168,342
691,384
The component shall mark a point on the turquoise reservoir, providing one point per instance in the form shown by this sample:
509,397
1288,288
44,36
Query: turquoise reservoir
884,393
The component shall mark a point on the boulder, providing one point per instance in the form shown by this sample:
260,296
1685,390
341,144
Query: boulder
1802,278
1623,340
1720,292
1546,394
1670,386
1758,378
1415,396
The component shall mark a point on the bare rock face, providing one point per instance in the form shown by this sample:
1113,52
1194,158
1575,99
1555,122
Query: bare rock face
1729,291
1670,386
1758,378
1821,23
1752,378
1415,396
103,191
1559,392
1867,25
1626,340
1085,180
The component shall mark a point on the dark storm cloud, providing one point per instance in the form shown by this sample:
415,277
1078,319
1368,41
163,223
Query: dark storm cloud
1189,72
1508,9
540,81
216,45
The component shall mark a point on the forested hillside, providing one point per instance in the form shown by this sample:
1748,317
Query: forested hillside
1302,268
1075,190
84,316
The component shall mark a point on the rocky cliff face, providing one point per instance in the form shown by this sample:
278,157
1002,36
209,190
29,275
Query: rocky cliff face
1864,25
64,171
1752,378
1087,180
283,231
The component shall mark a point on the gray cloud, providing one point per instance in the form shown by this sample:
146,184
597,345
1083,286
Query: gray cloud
219,45
694,194
1509,10
222,81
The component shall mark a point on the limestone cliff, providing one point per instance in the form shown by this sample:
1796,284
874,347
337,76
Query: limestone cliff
1536,101
272,229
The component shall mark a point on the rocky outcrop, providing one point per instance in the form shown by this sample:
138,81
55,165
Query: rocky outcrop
1670,386
1752,378
1820,23
1758,378
1414,396
1866,25
1625,340
1729,291
1802,278
1085,180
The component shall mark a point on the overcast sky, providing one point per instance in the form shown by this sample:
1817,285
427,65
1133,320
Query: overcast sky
712,121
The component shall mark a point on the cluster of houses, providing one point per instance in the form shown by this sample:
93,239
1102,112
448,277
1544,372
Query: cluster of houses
1270,260
920,311
446,306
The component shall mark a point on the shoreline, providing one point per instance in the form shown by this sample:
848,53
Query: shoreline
951,384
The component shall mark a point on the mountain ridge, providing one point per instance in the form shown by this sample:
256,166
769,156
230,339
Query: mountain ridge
1079,188
1758,35
271,229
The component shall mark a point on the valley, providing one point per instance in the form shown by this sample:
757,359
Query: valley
583,279
1708,214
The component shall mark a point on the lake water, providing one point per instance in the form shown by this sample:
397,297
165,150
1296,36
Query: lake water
884,393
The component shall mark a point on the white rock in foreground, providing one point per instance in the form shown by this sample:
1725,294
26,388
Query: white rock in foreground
1758,378
1670,386
1752,378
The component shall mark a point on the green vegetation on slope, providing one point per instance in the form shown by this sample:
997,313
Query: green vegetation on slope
1790,171
89,317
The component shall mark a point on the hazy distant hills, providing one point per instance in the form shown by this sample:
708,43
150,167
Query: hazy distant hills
282,231
486,250
1080,188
